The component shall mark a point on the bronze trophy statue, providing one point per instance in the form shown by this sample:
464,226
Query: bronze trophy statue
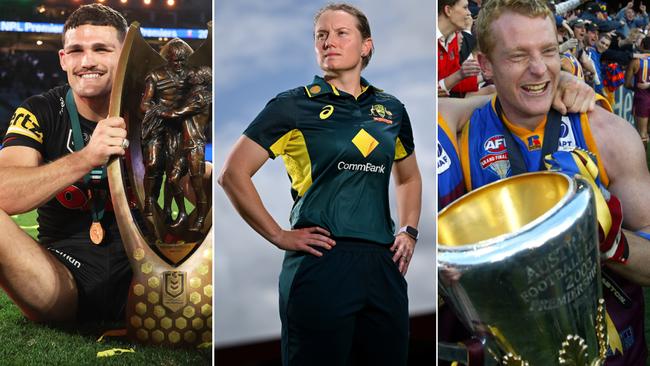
166,101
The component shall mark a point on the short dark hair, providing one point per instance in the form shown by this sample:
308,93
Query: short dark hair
96,14
443,3
362,24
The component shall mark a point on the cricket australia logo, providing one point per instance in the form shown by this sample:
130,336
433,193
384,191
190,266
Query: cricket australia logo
380,114
496,159
174,295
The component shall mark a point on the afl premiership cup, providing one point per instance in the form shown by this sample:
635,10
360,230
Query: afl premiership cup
518,261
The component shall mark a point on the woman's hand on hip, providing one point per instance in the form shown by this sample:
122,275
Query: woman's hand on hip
303,240
403,247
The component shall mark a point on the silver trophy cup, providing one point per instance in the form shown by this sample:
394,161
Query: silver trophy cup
518,260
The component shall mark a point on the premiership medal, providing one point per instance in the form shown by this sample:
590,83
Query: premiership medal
96,233
93,177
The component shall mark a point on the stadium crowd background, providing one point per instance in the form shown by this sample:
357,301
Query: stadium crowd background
581,26
28,60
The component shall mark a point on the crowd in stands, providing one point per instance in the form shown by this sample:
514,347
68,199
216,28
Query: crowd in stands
186,14
597,43
23,74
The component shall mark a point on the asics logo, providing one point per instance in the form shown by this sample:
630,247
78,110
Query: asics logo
326,112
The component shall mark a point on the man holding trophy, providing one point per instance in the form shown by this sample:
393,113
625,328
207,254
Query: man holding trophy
519,52
78,270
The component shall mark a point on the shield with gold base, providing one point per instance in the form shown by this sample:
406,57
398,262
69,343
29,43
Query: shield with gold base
170,297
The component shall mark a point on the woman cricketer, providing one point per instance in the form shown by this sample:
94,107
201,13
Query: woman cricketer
342,289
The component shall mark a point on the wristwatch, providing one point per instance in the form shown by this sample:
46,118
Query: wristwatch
410,231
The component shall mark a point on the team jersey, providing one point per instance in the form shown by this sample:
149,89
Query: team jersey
42,123
483,150
484,158
576,67
338,152
643,74
448,168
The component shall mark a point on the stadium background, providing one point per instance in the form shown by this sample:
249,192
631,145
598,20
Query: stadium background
29,65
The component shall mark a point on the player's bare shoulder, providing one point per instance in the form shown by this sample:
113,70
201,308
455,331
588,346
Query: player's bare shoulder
618,142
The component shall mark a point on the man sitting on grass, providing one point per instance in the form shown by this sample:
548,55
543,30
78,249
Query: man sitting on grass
78,269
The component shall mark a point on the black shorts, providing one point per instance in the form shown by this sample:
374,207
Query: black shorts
102,273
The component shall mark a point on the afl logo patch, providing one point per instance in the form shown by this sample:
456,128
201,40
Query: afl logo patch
495,144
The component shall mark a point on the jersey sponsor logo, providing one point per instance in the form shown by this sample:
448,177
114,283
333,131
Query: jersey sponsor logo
73,198
495,144
365,142
567,141
380,113
358,167
326,112
23,122
444,162
534,143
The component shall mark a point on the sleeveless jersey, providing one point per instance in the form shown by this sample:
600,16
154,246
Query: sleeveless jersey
485,159
483,150
643,74
448,168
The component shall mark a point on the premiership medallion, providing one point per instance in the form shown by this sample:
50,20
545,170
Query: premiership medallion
166,101
96,233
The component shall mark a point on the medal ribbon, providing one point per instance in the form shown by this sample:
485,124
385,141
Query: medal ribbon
98,198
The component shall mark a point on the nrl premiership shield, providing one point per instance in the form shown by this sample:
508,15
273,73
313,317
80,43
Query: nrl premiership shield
519,262
165,99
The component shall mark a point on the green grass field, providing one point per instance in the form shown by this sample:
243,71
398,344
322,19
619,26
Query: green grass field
25,343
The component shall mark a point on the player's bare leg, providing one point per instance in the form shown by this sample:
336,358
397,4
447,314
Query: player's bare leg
36,281
642,127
